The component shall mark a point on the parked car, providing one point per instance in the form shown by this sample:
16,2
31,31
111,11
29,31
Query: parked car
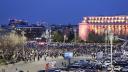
54,70
109,68
74,66
107,63
121,63
117,68
124,69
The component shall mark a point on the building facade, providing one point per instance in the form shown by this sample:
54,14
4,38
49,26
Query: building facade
103,24
31,30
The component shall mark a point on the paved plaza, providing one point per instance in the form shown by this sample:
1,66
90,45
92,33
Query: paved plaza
37,65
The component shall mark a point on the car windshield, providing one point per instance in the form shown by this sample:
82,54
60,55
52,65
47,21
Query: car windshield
116,66
126,66
107,61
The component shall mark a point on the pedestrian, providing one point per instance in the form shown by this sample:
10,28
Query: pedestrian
45,58
46,67
17,70
62,64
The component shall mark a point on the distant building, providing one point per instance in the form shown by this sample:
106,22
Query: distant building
15,22
101,24
31,30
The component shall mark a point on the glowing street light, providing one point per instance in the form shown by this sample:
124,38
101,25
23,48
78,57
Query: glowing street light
111,42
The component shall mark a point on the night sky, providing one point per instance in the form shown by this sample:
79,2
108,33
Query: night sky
59,11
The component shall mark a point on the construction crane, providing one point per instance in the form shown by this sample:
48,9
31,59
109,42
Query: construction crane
125,41
117,38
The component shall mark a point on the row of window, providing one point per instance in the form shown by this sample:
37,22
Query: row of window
106,19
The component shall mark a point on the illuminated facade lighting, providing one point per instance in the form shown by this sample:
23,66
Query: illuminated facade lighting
116,24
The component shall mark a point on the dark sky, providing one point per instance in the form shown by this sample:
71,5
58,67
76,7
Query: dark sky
59,11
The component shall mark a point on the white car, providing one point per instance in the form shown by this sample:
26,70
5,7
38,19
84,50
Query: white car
109,68
117,68
98,62
107,63
124,69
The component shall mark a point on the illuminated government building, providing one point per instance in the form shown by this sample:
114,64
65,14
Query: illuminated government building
102,24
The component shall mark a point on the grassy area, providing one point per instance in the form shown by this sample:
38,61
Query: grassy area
2,62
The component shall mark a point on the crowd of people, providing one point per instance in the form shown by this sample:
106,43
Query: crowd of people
54,50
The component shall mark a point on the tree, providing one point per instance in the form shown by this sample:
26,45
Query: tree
8,44
71,37
57,36
92,37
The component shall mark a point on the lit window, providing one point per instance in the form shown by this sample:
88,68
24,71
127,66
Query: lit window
85,18
102,21
95,21
115,21
126,17
123,17
109,18
108,21
122,20
119,17
83,21
109,27
112,20
112,17
116,17
98,21
89,21
99,18
106,17
119,20
92,20
89,18
102,18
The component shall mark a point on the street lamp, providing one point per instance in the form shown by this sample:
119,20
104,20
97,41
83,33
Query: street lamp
75,34
65,37
106,38
111,42
23,41
47,35
50,31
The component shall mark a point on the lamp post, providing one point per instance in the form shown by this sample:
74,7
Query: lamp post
47,35
111,42
106,38
75,34
23,41
50,31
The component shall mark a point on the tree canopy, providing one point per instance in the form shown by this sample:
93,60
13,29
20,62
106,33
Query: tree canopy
9,42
